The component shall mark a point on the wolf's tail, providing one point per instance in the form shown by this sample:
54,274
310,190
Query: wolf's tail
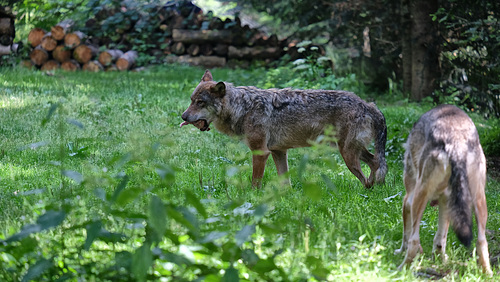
380,141
460,200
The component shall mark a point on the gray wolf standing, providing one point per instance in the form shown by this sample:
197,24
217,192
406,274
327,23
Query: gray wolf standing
444,161
272,121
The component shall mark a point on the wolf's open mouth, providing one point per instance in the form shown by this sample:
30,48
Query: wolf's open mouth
201,124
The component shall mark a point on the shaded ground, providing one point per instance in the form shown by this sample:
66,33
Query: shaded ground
493,167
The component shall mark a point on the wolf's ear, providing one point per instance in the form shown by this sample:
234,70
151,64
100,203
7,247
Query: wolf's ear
207,76
219,89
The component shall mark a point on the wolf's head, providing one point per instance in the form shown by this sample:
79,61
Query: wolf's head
205,101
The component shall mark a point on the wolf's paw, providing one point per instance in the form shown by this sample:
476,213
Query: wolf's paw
398,251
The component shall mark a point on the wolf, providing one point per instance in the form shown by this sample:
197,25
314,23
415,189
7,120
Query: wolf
444,163
271,121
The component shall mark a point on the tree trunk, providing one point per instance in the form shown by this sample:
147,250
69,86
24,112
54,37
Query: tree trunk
70,65
60,29
425,49
108,57
39,56
126,61
71,40
84,53
61,54
406,45
35,36
48,42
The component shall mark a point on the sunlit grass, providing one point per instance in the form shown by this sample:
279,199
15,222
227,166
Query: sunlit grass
113,124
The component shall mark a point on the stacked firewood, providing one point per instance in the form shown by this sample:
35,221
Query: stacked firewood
181,32
62,48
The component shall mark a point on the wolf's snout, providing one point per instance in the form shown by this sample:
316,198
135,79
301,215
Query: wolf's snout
185,116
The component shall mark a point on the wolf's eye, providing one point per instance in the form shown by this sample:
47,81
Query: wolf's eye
200,103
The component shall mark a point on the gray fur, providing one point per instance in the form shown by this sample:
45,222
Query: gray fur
275,120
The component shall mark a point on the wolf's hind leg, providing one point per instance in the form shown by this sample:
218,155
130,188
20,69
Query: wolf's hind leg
439,246
477,181
281,161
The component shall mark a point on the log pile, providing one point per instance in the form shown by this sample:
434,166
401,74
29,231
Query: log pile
178,32
183,33
60,48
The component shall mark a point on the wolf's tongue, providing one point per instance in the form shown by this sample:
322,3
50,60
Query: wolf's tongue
183,123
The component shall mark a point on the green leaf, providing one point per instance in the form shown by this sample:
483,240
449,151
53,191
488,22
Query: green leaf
212,236
250,258
119,188
231,275
142,260
75,123
157,216
244,234
128,195
93,231
193,200
52,109
37,269
50,219
313,191
76,176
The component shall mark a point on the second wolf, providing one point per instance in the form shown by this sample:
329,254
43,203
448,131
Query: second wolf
444,162
272,121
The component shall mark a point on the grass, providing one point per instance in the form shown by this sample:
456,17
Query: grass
98,164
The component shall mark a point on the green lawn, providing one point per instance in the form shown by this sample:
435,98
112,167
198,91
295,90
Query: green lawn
98,182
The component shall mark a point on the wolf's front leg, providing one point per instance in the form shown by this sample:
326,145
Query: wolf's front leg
259,163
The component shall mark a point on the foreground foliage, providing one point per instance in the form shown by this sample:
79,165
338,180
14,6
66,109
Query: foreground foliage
97,182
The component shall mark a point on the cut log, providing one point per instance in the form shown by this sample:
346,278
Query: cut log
93,66
193,50
71,40
26,64
108,57
48,42
111,68
206,61
59,30
61,54
207,50
257,52
126,61
6,50
50,65
178,48
84,53
39,56
70,65
201,36
35,36
221,49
